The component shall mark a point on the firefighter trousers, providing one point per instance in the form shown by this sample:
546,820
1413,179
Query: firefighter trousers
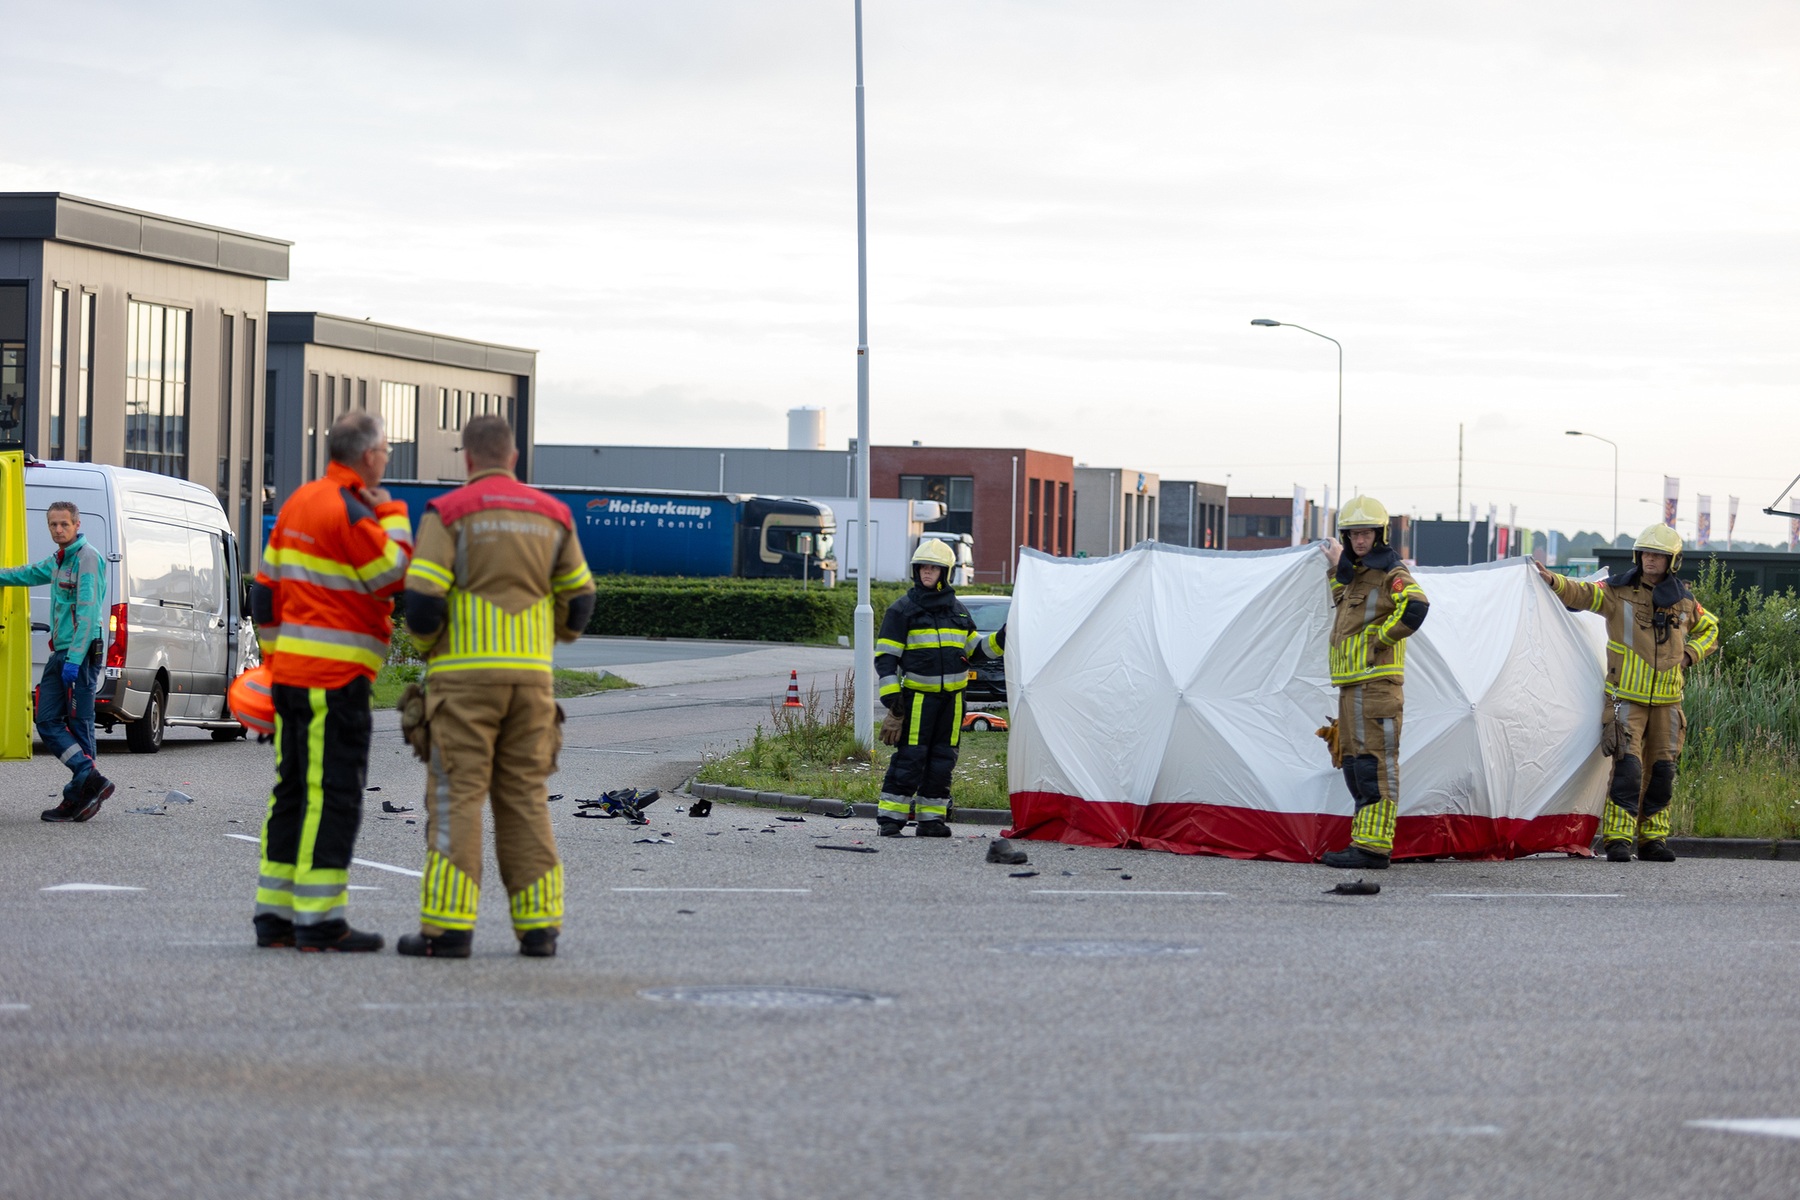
1649,744
321,766
1369,717
924,759
494,742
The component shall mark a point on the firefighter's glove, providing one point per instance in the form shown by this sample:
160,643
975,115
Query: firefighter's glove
413,726
891,729
70,670
1328,733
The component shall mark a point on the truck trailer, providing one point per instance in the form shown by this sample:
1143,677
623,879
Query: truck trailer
632,531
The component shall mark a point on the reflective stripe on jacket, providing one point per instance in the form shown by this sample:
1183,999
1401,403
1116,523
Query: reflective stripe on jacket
505,565
926,643
1376,607
1640,667
77,579
332,565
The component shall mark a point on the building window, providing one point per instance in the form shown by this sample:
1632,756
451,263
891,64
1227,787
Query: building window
1254,525
400,413
443,408
227,375
312,426
14,324
955,492
456,408
156,388
1033,498
84,385
1062,518
59,356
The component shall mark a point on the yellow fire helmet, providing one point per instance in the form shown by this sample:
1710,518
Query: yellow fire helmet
1659,539
1364,512
933,552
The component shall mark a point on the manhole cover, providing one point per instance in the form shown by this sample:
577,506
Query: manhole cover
728,996
1099,949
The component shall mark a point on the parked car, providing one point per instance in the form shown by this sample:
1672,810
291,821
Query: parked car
176,631
987,681
981,722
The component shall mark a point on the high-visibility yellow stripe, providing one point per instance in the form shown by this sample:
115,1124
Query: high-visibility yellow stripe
569,581
1373,826
432,573
448,897
288,644
540,905
918,711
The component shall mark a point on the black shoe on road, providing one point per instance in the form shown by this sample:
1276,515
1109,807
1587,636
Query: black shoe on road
335,937
71,804
94,791
1355,858
452,943
1618,850
885,826
539,943
931,828
1655,851
273,932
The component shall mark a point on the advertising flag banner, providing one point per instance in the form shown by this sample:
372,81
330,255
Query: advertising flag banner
1671,499
1297,523
1730,519
1493,529
1552,545
1702,520
1793,524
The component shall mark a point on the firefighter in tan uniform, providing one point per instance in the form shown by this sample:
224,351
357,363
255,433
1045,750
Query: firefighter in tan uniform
496,580
1376,607
1654,630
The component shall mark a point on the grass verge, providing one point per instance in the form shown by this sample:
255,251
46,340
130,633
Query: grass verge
811,751
1749,793
395,676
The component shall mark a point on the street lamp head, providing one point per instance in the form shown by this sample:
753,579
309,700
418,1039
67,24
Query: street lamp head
1574,433
1264,321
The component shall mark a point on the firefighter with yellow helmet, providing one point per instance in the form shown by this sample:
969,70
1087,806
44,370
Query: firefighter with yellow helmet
1655,629
922,656
1376,606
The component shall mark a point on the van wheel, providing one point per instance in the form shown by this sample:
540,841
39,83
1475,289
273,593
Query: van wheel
145,735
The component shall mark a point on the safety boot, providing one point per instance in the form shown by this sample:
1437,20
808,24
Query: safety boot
335,937
538,943
273,932
65,811
93,792
1655,851
1618,850
452,943
886,826
1355,858
932,827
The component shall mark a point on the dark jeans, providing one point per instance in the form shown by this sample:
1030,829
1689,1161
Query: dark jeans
65,715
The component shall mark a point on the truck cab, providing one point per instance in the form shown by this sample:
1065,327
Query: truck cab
770,545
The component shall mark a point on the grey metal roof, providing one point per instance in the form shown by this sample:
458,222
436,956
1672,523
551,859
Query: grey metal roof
58,216
348,333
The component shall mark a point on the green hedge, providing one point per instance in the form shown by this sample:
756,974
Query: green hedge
756,610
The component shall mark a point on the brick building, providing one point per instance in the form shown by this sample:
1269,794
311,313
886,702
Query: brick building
1005,498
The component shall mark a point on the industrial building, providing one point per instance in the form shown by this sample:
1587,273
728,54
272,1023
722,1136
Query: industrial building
136,340
1004,498
424,386
698,469
1117,507
1191,514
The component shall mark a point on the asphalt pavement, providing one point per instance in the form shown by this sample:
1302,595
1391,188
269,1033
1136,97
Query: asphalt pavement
738,1011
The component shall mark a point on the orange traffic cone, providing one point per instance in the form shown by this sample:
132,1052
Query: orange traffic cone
793,696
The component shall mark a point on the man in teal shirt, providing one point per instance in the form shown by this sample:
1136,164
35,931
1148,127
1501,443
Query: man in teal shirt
65,695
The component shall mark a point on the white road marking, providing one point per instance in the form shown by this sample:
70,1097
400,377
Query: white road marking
90,887
667,1148
423,1004
366,887
603,750
360,862
1787,1127
1526,895
1267,1135
15,1008
1115,892
771,891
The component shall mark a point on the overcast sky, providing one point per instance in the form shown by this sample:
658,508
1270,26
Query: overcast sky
1523,217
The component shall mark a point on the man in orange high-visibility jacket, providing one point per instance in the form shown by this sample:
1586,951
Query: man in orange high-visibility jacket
323,604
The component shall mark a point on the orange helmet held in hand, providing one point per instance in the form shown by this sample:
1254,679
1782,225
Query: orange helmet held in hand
252,702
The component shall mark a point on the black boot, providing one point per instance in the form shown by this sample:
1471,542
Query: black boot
1355,858
889,826
1618,850
539,943
452,943
93,792
335,937
1655,851
932,827
71,804
273,932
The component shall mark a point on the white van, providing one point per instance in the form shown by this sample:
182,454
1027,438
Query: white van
175,631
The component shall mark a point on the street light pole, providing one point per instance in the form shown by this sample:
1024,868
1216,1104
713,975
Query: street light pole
1615,446
1264,321
864,624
